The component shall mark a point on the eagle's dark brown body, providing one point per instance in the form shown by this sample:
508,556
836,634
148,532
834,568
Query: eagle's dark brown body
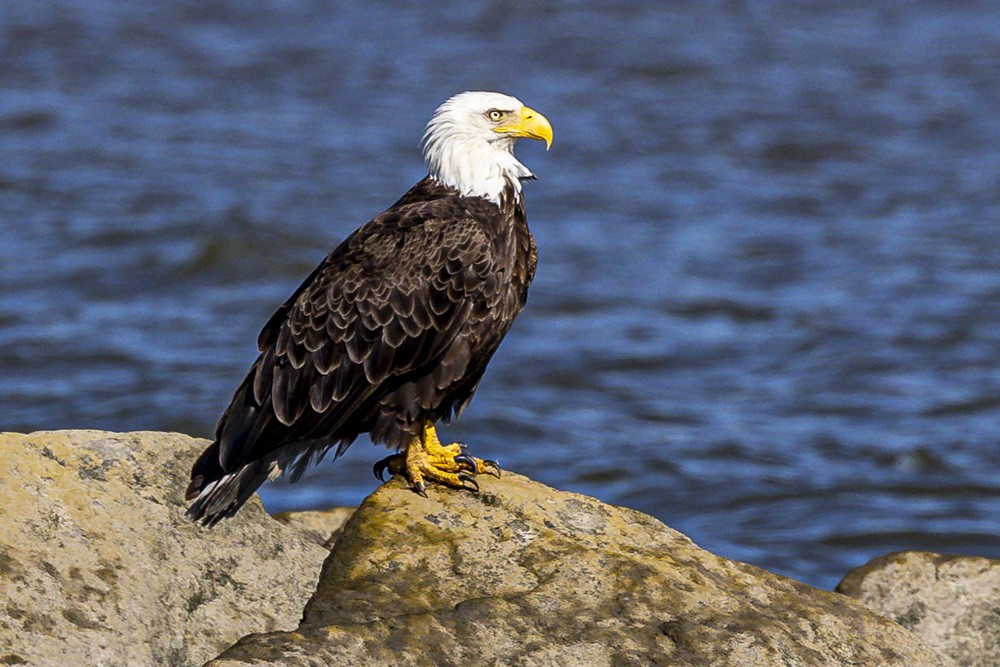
394,328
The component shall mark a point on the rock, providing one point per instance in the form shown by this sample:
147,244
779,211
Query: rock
524,575
99,566
951,602
322,527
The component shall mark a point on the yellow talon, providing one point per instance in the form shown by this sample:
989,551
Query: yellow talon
426,459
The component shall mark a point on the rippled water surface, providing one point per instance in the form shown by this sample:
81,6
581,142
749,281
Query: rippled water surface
767,308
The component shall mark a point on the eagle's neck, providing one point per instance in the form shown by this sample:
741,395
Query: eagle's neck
474,167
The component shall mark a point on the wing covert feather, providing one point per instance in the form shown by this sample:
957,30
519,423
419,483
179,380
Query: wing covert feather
387,303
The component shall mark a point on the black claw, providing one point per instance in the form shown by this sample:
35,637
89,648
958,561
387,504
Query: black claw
467,462
492,468
420,489
469,481
379,468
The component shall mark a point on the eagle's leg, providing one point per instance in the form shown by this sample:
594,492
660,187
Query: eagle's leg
426,459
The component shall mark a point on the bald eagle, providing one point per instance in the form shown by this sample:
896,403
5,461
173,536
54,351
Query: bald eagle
392,332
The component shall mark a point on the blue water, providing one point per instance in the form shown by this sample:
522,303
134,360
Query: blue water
767,308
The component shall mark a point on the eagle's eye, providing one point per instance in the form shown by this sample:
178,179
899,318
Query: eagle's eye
494,114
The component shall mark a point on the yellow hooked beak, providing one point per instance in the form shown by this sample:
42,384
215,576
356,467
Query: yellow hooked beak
532,125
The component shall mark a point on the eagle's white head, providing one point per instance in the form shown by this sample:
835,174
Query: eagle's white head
469,142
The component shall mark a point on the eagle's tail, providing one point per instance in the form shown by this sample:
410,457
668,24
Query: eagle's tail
217,489
217,494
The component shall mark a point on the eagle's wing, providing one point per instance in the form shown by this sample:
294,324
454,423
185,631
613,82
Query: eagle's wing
394,302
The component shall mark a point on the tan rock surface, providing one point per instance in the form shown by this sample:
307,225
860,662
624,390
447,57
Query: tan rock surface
951,602
99,566
525,575
321,526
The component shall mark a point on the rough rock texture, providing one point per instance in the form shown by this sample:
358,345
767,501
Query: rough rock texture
951,602
322,526
525,575
99,566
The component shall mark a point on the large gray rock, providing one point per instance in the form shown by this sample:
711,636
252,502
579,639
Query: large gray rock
99,566
951,602
522,574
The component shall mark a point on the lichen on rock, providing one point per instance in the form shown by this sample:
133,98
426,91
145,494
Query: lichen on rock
522,574
99,566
